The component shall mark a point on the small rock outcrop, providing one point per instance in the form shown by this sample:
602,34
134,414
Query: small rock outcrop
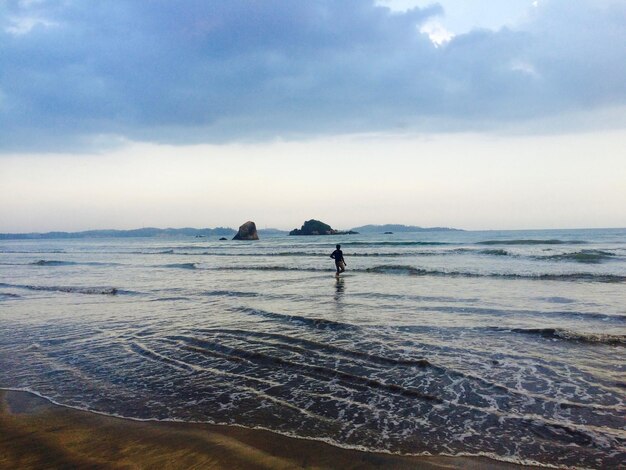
247,232
316,227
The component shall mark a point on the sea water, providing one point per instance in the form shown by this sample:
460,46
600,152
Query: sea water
507,344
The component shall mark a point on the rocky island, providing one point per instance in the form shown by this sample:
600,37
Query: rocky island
316,227
247,232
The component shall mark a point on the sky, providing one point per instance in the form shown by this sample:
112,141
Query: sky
476,114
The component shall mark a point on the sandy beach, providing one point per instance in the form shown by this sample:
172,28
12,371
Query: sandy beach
36,434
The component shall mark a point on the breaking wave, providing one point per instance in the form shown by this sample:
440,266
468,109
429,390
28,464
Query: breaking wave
230,293
398,243
71,289
413,271
496,252
181,266
269,268
410,270
532,242
8,295
39,252
569,335
45,262
583,256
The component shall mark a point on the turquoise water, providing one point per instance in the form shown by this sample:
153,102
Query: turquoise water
507,344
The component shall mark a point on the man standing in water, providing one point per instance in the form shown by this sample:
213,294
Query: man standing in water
340,263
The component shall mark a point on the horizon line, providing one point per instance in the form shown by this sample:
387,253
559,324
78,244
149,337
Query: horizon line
444,228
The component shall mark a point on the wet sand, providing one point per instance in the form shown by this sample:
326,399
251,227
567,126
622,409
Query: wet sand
36,434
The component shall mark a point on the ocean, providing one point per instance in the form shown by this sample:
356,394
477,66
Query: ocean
509,344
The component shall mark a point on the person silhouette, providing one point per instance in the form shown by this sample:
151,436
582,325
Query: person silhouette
340,263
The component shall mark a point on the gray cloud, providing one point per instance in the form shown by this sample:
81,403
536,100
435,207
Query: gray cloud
74,74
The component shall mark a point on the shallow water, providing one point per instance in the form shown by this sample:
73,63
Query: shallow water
511,344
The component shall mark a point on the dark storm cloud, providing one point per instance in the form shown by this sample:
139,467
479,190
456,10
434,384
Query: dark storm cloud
75,74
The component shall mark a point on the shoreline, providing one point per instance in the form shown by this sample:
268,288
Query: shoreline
36,433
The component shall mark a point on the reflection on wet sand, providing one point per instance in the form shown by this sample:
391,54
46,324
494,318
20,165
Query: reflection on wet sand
36,434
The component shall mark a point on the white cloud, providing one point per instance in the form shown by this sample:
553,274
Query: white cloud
525,68
401,5
24,25
462,16
437,33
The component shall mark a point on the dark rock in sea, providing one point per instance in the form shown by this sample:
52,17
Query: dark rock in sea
223,238
388,233
313,227
247,232
316,227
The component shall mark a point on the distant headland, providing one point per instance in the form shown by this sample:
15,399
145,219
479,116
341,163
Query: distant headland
219,232
135,233
402,228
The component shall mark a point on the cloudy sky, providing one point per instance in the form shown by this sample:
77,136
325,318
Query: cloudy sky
466,113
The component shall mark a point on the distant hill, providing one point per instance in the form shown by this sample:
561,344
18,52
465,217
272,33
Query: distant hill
271,231
140,232
398,228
